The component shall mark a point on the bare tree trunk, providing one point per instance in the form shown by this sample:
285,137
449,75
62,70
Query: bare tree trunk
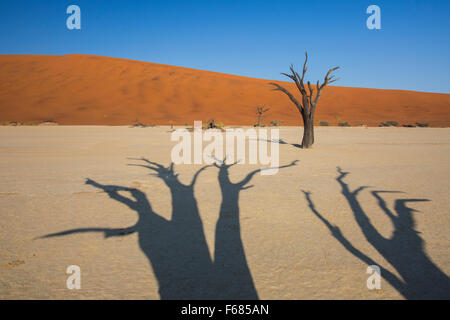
308,132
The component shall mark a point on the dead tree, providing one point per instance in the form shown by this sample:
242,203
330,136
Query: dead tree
308,104
260,111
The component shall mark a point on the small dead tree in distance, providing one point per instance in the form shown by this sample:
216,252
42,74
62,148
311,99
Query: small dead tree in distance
260,111
309,102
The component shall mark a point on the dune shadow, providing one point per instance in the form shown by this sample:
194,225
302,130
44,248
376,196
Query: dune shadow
419,277
177,249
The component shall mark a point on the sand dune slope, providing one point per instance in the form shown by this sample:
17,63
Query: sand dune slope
88,90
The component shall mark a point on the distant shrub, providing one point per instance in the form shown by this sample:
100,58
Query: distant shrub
422,125
211,124
409,126
343,124
324,123
274,123
389,124
138,124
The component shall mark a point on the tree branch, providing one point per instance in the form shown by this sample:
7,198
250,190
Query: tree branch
305,68
293,99
328,79
309,103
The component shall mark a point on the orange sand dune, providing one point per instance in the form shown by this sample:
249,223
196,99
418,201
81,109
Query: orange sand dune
94,90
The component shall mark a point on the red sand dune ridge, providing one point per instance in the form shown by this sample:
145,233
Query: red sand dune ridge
95,90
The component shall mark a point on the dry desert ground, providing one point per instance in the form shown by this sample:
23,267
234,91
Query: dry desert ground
138,229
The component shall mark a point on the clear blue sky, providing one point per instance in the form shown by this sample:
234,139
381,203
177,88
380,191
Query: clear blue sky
256,38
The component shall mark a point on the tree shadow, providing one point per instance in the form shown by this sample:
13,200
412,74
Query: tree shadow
282,142
229,256
419,278
177,249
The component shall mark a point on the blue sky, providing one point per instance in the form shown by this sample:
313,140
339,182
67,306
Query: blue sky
256,38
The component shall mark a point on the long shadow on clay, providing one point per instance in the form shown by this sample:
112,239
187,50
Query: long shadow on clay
419,277
177,249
